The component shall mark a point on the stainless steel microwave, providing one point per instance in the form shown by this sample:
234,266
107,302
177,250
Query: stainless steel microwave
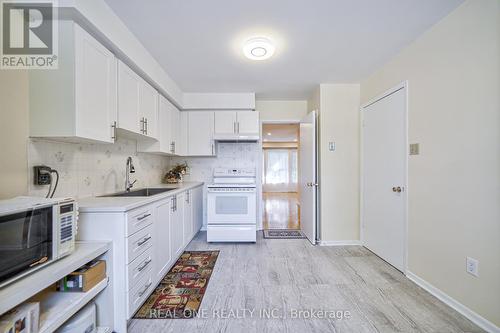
34,232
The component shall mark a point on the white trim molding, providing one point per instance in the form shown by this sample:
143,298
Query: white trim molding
340,242
454,304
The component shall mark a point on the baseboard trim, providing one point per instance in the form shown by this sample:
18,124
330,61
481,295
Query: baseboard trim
339,243
477,319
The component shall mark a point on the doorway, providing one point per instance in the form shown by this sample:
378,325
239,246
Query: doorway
280,174
384,176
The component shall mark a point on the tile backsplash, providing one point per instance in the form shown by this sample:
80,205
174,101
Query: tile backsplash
93,169
229,155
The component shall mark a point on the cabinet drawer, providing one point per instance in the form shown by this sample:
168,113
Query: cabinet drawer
219,233
139,242
138,219
139,293
139,267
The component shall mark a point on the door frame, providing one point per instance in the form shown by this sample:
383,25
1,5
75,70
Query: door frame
401,85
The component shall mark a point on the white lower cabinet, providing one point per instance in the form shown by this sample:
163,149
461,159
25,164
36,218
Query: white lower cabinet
177,218
146,243
188,217
163,241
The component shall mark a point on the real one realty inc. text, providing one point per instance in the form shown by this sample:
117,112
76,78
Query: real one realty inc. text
269,313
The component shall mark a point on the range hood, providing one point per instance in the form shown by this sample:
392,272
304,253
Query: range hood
236,138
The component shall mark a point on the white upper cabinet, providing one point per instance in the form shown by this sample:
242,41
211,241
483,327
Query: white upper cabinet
248,123
236,125
148,109
200,133
76,102
181,143
128,99
162,129
175,127
225,122
137,104
165,125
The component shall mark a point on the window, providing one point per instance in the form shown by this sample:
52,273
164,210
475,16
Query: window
280,170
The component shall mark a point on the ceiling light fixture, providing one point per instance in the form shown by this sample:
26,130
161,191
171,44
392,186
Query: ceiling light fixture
258,48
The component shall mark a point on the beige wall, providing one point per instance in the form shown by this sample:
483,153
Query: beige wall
339,170
281,110
453,73
14,127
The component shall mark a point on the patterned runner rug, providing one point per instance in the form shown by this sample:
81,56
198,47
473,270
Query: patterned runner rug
283,234
179,294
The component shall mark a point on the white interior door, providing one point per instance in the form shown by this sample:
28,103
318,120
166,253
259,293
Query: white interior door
307,176
384,177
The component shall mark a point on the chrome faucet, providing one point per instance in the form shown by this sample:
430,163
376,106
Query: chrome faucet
128,170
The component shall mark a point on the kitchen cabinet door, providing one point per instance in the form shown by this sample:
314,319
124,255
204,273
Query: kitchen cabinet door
78,101
161,245
225,122
165,124
176,128
129,87
177,224
248,123
200,133
188,217
95,88
148,109
197,203
182,138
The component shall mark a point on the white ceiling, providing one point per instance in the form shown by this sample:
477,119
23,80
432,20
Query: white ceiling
318,41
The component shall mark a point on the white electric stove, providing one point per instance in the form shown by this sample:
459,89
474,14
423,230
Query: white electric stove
232,206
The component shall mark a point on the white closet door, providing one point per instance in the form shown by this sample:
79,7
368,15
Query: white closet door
384,177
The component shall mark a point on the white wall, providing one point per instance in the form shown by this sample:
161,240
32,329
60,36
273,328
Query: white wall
281,110
339,170
14,113
453,72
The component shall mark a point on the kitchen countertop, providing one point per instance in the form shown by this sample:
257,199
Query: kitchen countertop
123,204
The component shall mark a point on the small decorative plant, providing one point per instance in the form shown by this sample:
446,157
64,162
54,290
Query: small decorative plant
175,174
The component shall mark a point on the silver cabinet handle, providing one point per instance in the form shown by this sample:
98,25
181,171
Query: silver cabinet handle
113,126
213,149
238,127
146,263
143,241
143,217
145,289
146,125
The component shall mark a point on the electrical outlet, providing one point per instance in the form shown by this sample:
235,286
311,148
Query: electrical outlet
472,266
42,175
331,146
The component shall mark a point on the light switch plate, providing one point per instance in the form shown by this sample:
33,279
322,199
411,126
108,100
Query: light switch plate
414,149
331,146
472,266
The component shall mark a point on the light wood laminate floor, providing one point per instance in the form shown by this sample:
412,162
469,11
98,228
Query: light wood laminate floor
292,274
281,210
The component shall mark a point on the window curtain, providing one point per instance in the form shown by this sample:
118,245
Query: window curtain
280,170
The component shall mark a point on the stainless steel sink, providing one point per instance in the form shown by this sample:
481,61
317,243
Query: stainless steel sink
143,192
